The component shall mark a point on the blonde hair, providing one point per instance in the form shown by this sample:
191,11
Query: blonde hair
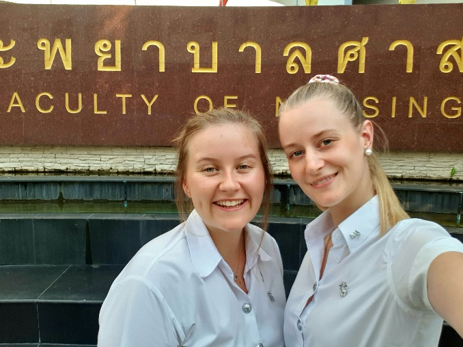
201,121
391,211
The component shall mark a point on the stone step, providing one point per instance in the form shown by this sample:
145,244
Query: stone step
59,305
55,304
52,304
102,239
58,269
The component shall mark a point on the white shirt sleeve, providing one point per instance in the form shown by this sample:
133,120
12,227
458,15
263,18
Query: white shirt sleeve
416,247
136,314
423,260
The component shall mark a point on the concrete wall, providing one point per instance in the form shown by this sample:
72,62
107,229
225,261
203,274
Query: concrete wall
410,165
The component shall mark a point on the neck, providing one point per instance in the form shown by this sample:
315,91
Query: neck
229,245
342,211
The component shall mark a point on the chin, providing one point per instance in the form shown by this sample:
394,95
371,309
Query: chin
326,203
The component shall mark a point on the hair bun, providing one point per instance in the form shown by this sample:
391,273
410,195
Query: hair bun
324,79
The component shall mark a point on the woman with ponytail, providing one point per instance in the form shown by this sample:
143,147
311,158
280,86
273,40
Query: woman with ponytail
372,276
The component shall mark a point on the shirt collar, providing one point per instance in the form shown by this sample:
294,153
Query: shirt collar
320,227
204,255
315,233
253,251
361,224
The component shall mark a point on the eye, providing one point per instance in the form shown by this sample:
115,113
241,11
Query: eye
209,169
295,154
243,167
326,142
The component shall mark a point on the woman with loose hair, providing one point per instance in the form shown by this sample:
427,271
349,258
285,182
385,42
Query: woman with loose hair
216,279
372,276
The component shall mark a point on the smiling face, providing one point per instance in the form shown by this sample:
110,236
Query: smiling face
224,176
326,155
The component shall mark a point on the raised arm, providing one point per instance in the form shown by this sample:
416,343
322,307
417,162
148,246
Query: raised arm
445,288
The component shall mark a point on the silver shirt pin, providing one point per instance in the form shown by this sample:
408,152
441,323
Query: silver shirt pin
343,288
272,299
355,234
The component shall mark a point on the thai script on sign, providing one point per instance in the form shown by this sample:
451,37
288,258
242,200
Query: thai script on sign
299,55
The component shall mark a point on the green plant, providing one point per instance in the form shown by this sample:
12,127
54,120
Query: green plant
453,171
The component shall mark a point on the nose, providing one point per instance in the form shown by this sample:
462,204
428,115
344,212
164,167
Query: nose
313,162
229,182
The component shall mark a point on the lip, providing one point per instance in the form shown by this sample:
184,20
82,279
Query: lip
230,208
323,182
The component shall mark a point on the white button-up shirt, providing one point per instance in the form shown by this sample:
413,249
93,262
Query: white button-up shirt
374,289
178,291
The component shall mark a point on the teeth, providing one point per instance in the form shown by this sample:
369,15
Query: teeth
322,181
230,203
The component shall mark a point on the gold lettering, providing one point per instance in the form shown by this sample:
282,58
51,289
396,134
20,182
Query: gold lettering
203,97
394,103
421,111
4,65
124,96
278,103
372,107
37,103
457,109
258,50
105,46
79,102
227,98
306,61
357,52
193,47
162,53
445,65
95,105
409,46
149,103
50,54
18,103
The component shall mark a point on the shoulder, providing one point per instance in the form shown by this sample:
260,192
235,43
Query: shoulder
162,254
411,236
412,246
414,230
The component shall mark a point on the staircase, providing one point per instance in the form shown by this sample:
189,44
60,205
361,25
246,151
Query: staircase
63,240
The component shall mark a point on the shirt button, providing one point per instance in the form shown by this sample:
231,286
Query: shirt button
315,285
299,324
247,307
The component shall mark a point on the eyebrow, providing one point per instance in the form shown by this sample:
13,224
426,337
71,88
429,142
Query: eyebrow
317,135
252,156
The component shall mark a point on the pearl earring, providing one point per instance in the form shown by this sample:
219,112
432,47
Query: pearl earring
368,152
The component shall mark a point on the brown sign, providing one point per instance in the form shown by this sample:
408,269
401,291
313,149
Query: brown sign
122,75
